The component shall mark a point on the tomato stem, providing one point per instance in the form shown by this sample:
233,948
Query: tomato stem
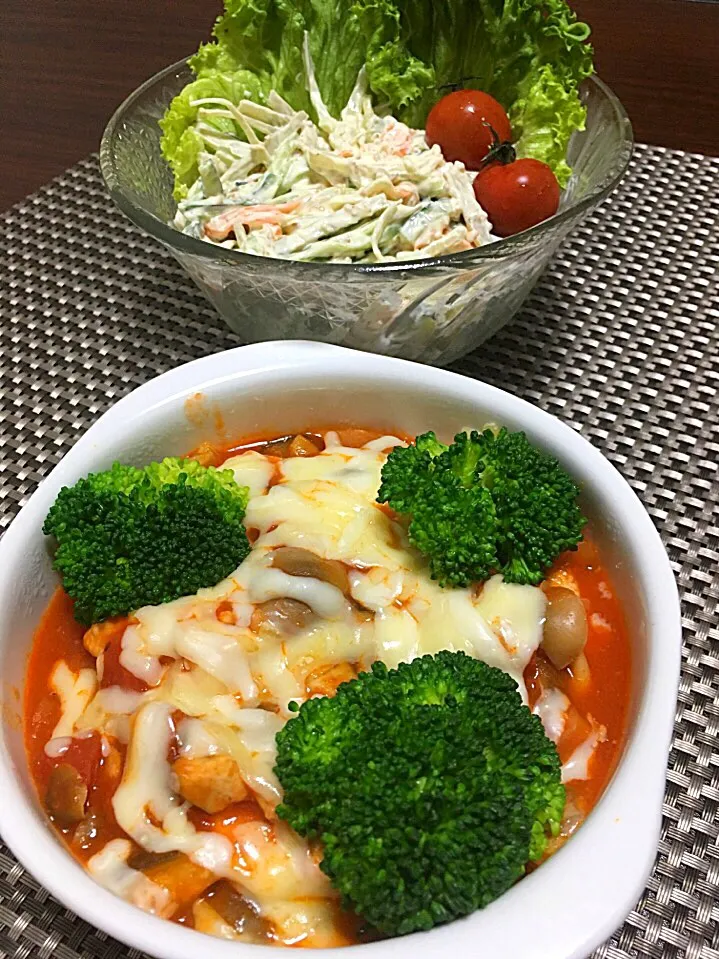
501,151
457,84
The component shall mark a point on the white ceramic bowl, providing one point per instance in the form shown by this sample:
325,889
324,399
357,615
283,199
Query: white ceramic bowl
579,897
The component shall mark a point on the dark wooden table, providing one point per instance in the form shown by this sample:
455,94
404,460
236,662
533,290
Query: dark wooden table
66,64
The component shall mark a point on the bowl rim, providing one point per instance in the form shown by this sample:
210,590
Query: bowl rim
190,245
606,863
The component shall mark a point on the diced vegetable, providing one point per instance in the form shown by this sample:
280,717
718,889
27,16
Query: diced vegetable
302,446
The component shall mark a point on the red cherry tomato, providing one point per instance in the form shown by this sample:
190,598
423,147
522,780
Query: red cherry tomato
462,124
517,195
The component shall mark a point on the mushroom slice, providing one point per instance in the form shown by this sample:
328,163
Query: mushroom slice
565,626
66,795
296,561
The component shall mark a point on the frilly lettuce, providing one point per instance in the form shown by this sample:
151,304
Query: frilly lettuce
181,145
529,54
543,118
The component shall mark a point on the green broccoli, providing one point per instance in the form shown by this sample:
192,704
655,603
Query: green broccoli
490,502
431,787
133,537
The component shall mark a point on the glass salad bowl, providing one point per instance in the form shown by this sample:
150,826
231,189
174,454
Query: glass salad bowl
433,310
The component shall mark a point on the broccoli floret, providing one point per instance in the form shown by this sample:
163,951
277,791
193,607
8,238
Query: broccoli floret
490,502
133,537
430,787
536,505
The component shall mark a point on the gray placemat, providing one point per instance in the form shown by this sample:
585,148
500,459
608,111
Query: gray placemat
619,339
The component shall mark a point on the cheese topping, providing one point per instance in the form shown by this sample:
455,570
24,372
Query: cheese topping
231,660
145,803
75,691
577,766
551,707
109,868
326,504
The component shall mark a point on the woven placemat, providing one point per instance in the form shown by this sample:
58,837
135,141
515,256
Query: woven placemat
619,339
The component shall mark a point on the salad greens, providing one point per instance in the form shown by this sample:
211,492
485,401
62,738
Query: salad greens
529,54
362,187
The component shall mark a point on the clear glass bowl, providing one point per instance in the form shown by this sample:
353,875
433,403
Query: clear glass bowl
429,310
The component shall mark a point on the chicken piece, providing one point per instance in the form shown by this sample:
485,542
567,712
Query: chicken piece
302,446
208,455
112,766
183,879
325,680
97,637
564,578
225,613
210,782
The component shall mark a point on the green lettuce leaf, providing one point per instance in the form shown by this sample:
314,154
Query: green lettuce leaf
180,144
544,116
529,54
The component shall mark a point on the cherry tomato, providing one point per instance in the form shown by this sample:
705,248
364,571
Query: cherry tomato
462,124
517,195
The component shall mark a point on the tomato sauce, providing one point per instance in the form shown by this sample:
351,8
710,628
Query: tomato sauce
607,694
601,701
58,636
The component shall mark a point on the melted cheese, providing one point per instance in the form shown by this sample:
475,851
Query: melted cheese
307,922
326,504
234,681
109,868
272,669
75,691
276,866
577,766
252,470
58,747
146,806
551,707
195,740
109,712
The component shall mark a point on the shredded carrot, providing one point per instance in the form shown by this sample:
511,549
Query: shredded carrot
220,227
